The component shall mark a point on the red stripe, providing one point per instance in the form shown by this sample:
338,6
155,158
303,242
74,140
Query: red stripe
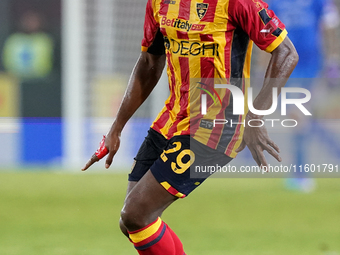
162,120
194,124
237,131
218,129
184,9
173,129
173,82
160,123
195,121
218,96
186,132
227,50
210,15
173,191
206,38
163,31
207,78
207,70
184,93
150,26
182,35
163,9
234,138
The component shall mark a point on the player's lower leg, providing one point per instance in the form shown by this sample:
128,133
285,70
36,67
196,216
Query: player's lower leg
156,238
149,234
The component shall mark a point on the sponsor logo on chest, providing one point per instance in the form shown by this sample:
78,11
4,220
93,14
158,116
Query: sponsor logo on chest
181,24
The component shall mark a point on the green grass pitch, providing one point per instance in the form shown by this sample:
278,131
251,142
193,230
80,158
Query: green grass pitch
56,213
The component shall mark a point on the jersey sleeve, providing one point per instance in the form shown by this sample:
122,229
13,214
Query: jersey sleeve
153,41
260,23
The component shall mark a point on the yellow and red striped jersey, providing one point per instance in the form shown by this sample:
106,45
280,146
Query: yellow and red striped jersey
207,42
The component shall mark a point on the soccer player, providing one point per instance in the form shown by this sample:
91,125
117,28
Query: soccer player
202,42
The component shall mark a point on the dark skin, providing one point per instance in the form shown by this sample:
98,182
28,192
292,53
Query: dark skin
282,63
147,199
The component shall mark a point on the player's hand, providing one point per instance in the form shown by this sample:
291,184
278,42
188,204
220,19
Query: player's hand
109,145
257,140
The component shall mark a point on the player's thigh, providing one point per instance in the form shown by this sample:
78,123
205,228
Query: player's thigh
149,151
130,186
145,202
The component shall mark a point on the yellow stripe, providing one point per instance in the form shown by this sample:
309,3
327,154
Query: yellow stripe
246,75
183,125
144,48
180,195
277,41
233,153
165,129
247,63
146,233
203,134
167,186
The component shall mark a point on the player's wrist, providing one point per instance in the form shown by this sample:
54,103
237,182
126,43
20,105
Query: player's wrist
253,120
252,116
116,129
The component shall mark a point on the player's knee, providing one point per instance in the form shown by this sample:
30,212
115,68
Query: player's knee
132,220
123,228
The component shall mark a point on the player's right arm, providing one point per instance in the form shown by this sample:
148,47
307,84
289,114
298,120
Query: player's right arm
143,79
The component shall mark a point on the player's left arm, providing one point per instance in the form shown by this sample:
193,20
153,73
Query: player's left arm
282,63
269,34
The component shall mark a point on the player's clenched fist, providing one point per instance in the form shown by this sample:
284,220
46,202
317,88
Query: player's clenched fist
108,145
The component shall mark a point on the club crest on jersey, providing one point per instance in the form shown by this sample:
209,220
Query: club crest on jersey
201,9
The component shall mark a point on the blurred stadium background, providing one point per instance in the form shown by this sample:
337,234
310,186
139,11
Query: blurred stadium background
57,118
60,87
